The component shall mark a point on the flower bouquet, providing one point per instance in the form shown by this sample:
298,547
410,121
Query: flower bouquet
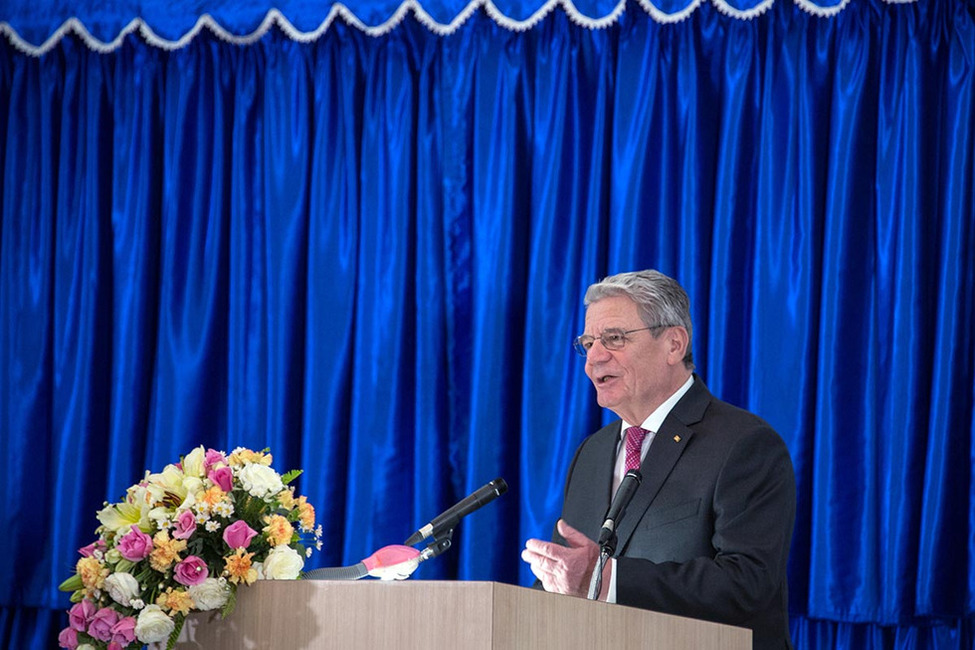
183,540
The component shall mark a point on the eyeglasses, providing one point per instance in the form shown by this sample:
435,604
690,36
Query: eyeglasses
612,339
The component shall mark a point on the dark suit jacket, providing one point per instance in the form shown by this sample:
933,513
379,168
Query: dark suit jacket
707,534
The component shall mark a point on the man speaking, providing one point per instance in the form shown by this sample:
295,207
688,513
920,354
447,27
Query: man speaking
707,532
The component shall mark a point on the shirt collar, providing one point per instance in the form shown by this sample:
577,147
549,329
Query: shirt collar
656,419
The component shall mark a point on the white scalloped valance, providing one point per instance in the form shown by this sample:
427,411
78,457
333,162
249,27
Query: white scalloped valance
36,26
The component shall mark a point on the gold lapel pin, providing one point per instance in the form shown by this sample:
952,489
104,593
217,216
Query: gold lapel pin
676,438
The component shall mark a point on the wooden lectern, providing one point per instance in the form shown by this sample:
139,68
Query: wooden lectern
428,615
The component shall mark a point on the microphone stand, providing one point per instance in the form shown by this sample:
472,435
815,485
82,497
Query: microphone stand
440,544
605,552
607,535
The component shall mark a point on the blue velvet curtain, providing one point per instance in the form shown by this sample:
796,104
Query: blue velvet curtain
368,254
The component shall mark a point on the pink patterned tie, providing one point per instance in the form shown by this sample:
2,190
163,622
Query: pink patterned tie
634,441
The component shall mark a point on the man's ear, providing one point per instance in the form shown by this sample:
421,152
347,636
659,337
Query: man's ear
677,340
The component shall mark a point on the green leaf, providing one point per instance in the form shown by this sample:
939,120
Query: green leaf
292,475
124,566
71,584
175,633
228,607
144,575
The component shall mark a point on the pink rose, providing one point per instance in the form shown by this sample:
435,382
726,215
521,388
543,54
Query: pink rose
113,645
81,614
68,638
223,478
185,525
123,632
238,534
101,625
88,551
135,545
213,457
191,571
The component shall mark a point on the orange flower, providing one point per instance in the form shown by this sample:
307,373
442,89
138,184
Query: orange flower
165,551
278,530
238,567
176,600
243,456
286,498
92,572
212,496
306,513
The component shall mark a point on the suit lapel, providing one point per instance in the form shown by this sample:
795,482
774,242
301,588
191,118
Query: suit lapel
602,474
668,445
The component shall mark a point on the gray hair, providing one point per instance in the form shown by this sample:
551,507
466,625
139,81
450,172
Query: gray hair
660,300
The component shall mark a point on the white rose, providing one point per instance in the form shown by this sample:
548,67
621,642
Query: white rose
153,625
283,563
212,593
259,480
122,587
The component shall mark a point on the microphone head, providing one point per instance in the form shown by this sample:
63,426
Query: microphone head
499,485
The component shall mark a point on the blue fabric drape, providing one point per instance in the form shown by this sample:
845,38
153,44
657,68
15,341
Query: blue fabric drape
37,24
369,255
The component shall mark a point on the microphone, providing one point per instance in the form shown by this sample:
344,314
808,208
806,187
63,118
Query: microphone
607,534
449,518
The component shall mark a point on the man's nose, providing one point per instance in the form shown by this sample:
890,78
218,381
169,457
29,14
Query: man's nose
597,352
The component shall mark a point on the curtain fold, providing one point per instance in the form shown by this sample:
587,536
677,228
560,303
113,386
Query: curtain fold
369,255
